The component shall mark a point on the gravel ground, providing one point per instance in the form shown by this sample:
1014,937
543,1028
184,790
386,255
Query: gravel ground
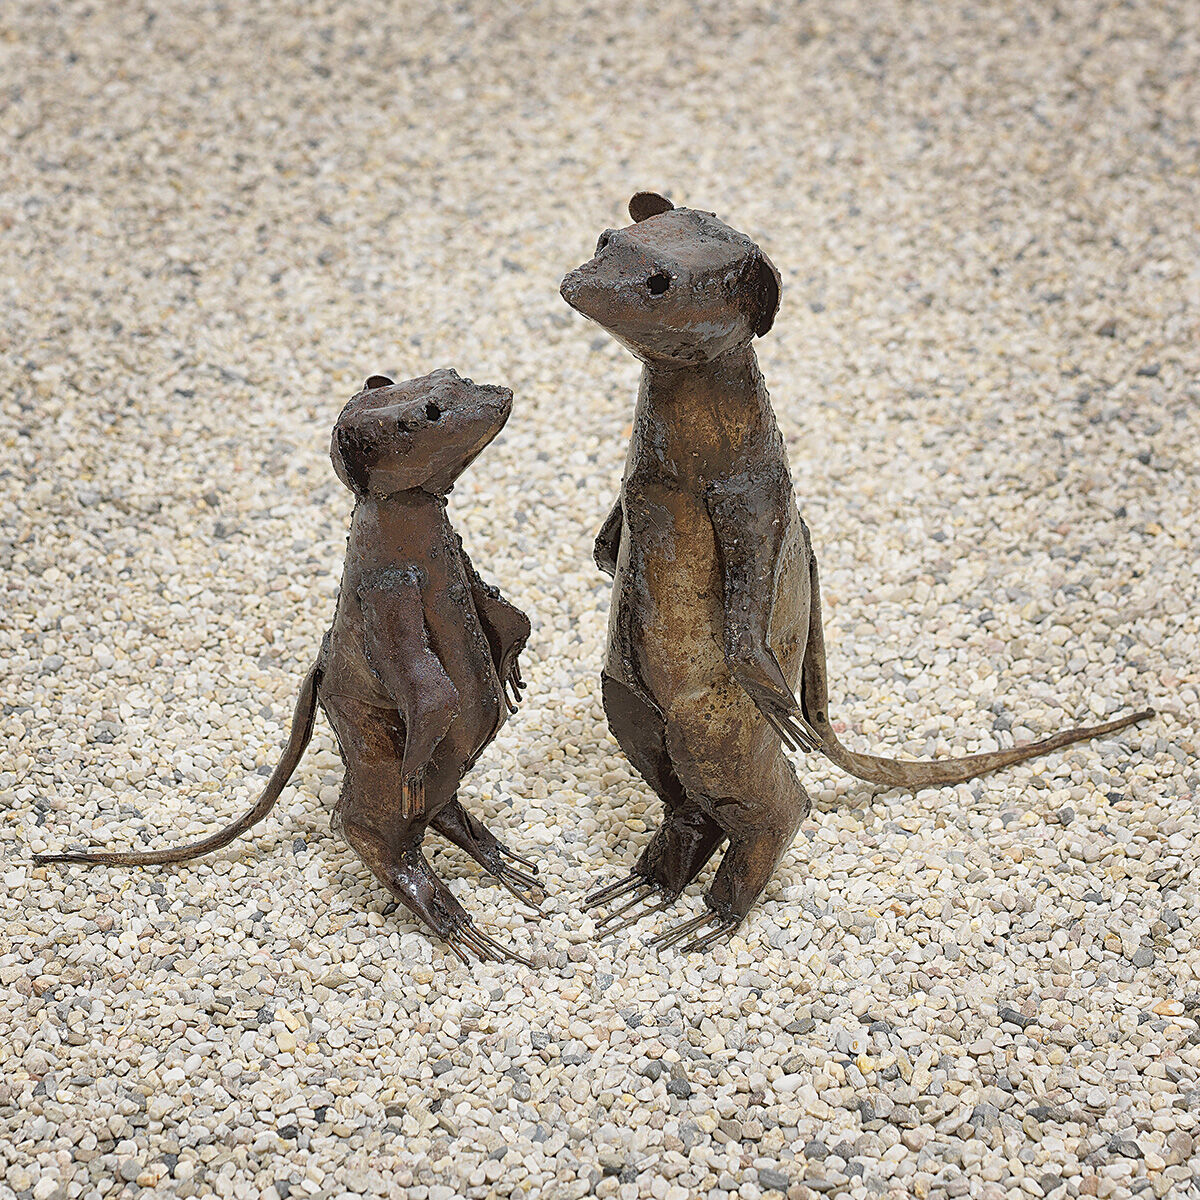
218,219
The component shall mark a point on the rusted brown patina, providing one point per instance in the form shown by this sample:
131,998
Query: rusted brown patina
716,615
419,670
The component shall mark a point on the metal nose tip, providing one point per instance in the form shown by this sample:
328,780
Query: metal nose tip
495,393
569,288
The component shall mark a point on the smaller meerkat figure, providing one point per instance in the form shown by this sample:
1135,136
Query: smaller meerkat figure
420,667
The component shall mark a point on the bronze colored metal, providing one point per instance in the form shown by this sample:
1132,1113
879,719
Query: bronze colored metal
419,669
716,615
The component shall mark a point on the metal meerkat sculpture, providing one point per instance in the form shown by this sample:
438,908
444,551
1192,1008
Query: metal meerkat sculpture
419,669
716,614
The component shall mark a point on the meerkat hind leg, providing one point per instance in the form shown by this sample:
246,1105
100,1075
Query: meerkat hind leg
755,849
410,879
687,838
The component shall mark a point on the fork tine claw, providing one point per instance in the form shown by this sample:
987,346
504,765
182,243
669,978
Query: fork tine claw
648,910
501,951
517,894
709,939
781,729
517,858
641,893
814,736
452,944
793,729
678,932
470,938
811,738
517,877
412,797
798,738
514,956
614,890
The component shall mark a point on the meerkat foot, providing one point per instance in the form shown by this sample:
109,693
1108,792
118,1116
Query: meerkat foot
470,834
410,879
740,879
676,854
685,841
516,883
415,885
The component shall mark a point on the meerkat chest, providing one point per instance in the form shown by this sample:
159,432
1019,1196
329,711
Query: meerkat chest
671,455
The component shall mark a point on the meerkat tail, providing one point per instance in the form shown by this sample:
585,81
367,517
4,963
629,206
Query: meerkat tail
894,773
302,727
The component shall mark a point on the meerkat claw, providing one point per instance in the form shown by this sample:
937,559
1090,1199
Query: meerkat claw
709,939
781,730
504,871
648,909
813,734
642,893
453,948
678,933
493,949
517,894
475,940
794,731
518,858
614,891
412,797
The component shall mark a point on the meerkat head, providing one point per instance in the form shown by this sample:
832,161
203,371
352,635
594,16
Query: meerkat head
677,285
423,433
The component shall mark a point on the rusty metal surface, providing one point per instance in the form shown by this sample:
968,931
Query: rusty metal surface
715,619
420,666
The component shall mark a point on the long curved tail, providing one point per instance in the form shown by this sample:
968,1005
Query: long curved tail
814,702
302,727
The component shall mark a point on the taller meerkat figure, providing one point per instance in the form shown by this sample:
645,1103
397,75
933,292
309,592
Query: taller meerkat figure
716,615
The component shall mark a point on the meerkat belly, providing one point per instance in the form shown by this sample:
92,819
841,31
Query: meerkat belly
457,638
668,616
345,672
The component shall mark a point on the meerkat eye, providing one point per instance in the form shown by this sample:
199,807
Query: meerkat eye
658,283
433,412
603,240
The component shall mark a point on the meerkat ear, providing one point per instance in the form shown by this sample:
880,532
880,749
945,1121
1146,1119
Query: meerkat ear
648,204
377,381
764,291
